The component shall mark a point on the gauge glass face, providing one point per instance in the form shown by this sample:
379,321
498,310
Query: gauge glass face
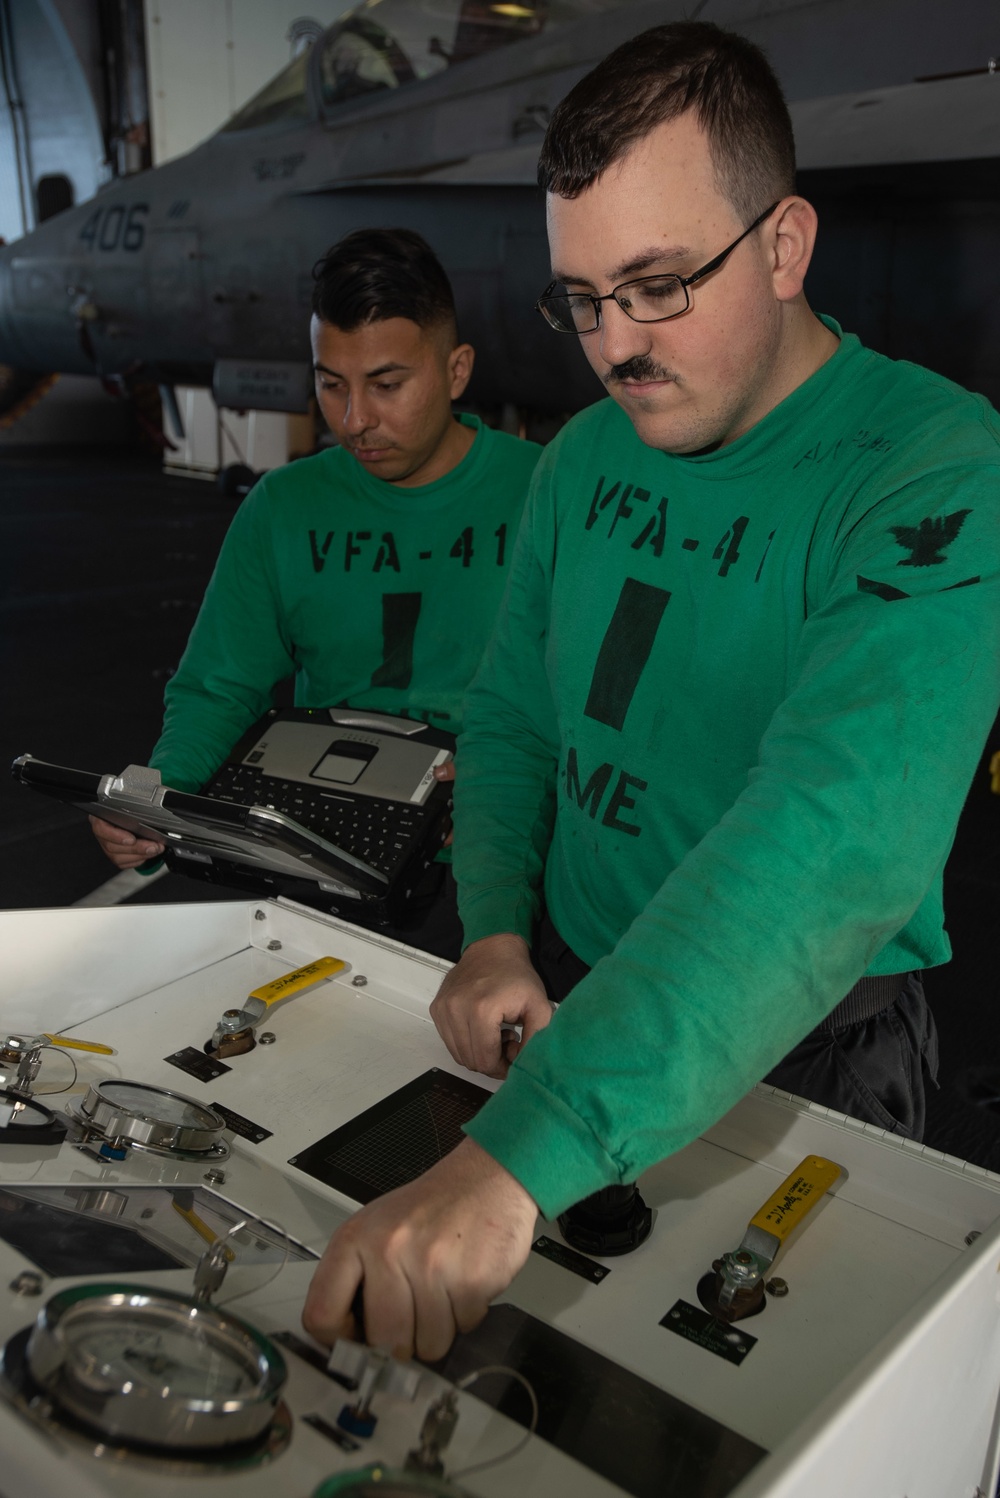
157,1106
137,1354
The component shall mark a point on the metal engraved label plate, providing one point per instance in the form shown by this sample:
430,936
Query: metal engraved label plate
696,1325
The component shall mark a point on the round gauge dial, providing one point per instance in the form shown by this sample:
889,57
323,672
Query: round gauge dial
151,1118
151,1367
157,1105
163,1360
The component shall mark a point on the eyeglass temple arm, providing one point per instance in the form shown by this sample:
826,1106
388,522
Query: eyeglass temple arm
706,270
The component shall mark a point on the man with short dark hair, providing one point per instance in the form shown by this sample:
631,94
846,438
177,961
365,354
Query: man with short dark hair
746,662
372,572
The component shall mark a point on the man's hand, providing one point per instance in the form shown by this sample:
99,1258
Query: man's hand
430,1257
124,849
492,988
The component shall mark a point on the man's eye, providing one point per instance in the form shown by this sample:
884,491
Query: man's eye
667,290
387,385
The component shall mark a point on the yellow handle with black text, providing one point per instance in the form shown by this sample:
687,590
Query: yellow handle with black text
795,1198
297,980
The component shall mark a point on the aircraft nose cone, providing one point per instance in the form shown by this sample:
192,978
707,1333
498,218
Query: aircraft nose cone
38,328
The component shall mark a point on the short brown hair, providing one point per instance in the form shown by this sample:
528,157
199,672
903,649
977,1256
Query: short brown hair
659,75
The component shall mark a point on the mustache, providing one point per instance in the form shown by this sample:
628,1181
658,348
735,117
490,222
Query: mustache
637,371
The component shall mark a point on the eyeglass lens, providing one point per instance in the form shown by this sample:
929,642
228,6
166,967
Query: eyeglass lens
649,300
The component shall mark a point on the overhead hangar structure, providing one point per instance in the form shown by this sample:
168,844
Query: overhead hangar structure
429,113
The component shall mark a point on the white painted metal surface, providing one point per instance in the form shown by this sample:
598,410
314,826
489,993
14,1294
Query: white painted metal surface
877,1375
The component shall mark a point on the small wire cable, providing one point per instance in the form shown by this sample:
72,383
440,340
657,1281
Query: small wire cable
505,1456
286,1255
55,1091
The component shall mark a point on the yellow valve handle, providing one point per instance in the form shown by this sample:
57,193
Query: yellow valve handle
201,1227
795,1198
740,1275
260,1000
297,980
78,1045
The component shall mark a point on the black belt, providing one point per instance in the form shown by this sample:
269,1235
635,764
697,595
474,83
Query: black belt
868,997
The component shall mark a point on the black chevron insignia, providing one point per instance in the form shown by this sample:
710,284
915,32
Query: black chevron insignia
926,542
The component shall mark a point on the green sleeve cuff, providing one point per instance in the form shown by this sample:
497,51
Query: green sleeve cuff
543,1143
496,911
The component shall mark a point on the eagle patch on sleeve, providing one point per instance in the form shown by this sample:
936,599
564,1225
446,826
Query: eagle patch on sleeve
926,542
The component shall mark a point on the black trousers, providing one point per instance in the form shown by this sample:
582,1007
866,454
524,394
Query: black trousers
875,1069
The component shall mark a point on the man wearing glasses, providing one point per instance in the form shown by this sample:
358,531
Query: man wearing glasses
717,750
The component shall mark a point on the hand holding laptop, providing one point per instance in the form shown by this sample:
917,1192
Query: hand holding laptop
125,850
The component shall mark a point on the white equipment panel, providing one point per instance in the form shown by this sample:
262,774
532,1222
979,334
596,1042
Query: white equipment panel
876,1375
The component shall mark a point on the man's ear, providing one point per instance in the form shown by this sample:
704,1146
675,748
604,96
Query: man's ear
794,235
460,362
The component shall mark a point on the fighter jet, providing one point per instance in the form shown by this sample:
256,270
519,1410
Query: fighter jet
430,113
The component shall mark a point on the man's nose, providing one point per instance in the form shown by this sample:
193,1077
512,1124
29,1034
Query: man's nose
358,415
619,337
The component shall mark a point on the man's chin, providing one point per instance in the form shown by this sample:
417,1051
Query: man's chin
384,464
668,431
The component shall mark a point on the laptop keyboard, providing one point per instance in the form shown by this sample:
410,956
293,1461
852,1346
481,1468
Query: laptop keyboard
379,832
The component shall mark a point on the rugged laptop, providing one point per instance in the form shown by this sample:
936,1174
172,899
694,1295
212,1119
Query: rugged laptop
335,807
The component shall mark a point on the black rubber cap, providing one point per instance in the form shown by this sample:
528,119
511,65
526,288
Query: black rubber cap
613,1221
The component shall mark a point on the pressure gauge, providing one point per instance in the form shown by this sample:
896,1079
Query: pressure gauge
134,1115
151,1368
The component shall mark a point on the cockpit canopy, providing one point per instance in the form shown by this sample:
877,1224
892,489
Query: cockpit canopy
386,44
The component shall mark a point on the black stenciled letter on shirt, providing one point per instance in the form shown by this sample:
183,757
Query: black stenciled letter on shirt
624,651
400,612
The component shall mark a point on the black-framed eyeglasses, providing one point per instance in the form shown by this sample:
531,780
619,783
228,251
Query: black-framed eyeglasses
649,299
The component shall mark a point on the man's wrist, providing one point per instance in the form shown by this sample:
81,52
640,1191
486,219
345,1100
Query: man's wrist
488,1171
501,944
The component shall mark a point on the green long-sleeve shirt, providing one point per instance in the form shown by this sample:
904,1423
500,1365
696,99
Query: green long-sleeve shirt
732,707
370,593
